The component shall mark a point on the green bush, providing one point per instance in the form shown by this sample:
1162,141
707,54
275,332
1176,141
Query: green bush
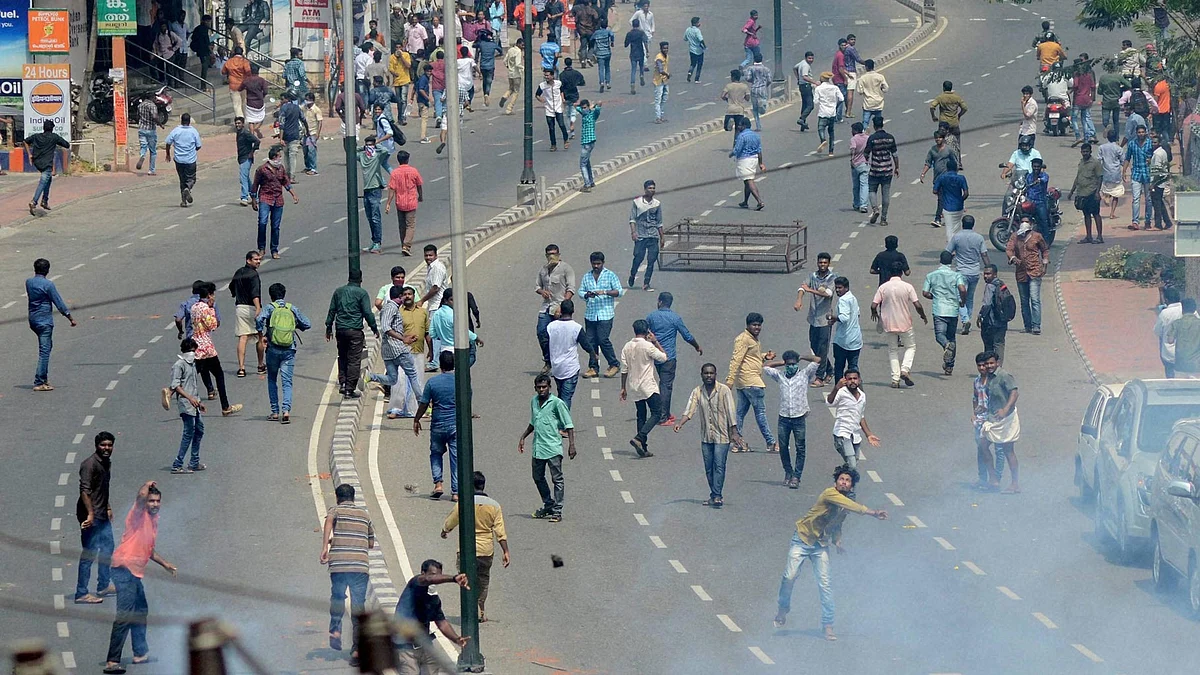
1141,267
1111,263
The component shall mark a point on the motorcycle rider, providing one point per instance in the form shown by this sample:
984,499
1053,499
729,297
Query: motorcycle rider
1046,35
1038,182
1055,88
1021,159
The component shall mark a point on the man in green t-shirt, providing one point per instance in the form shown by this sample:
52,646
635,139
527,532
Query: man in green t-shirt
1184,333
549,421
1109,90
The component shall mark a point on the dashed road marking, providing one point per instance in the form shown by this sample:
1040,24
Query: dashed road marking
854,234
733,627
845,245
124,369
967,84
626,112
705,212
1045,620
56,549
219,206
1008,593
596,412
300,239
626,497
984,75
616,475
78,439
1006,134
907,111
607,452
641,519
1091,655
596,393
874,477
916,521
284,250
55,524
194,216
915,181
1001,67
154,339
657,541
125,244
437,179
678,566
762,656
171,227
63,478
785,165
56,277
87,420
893,499
944,544
59,502
112,384
974,568
70,458
984,145
148,236
600,433
471,166
720,203
323,228
138,354
701,593
732,194
68,659
836,257
339,220
505,153
56,574
76,267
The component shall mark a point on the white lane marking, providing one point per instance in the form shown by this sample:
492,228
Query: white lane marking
219,206
154,339
10,303
845,245
300,239
56,549
596,411
70,459
626,497
126,244
762,656
837,257
437,179
112,384
56,277
339,220
1010,62
855,234
63,478
861,22
978,19
55,524
1008,593
224,287
87,421
1091,655
720,203
76,267
596,393
284,250
916,521
699,106
607,452
984,75
505,153
705,212
1045,620
895,194
874,477
701,593
99,402
905,112
124,369
731,194
893,499
628,111
169,326
967,84
171,227
323,228
600,432
944,544
194,216
641,519
678,566
314,441
470,166
785,165
60,501
1006,134
733,627
616,475
974,568
68,659
77,440
148,236
810,153
984,145
915,181
657,541
56,574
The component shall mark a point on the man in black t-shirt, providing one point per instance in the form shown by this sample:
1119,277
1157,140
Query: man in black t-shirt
882,264
419,605
95,522
246,290
571,80
884,160
40,149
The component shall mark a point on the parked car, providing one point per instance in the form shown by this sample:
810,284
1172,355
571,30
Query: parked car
1098,414
1130,446
1175,513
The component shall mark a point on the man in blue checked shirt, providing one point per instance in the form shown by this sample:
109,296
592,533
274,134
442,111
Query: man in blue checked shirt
1039,184
665,324
1137,161
600,289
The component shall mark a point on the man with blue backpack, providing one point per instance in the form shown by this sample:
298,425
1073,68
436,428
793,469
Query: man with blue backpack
278,323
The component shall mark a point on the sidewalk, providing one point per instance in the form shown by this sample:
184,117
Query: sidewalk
1111,321
16,189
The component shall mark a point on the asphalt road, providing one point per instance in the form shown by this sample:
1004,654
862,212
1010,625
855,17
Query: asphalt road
619,605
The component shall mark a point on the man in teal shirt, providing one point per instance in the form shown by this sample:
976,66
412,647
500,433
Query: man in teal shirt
441,326
549,420
349,307
948,290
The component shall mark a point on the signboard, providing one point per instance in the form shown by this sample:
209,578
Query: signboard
49,31
312,14
120,115
47,93
14,48
116,17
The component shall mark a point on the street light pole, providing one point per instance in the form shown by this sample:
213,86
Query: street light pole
470,659
528,183
350,137
778,41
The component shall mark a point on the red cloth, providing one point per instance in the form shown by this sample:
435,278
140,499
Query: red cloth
137,543
404,181
269,184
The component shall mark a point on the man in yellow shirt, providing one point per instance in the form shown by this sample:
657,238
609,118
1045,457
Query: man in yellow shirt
662,74
819,528
416,333
400,68
1050,53
745,376
489,528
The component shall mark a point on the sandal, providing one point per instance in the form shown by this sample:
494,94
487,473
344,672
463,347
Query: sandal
286,418
262,370
241,372
273,417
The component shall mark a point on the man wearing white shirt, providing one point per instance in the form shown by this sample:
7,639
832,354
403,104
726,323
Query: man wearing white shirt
364,58
1029,113
436,281
645,18
1171,311
793,382
827,96
566,336
849,404
847,332
639,379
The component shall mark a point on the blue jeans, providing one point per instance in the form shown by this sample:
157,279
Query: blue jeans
280,363
585,163
660,100
748,397
964,313
148,144
1111,117
858,174
543,322
43,187
945,330
566,388
244,175
1031,302
819,557
715,455
97,545
598,331
1082,122
1002,451
825,127
193,433
45,336
487,76
695,65
275,213
439,443
1141,195
637,67
310,155
439,103
868,116
792,427
841,106
339,583
847,448
372,203
132,610
757,104
751,53
604,69
406,363
1041,214
644,248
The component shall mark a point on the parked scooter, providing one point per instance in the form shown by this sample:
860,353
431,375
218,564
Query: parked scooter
162,101
1017,205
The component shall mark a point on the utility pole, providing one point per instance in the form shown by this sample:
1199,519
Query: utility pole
350,137
778,27
528,186
470,659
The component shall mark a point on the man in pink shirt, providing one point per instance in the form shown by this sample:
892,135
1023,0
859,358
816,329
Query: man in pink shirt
839,78
129,562
859,168
751,42
890,307
405,189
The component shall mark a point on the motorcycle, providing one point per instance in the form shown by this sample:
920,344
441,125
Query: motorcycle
100,103
1016,206
161,99
1058,117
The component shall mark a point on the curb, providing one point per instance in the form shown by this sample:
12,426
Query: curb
1066,318
381,590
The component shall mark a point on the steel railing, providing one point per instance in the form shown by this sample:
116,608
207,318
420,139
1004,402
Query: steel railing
174,76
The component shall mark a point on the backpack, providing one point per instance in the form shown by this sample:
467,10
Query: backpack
1004,305
1137,101
281,328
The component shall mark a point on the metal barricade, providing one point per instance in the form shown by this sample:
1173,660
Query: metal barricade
692,245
